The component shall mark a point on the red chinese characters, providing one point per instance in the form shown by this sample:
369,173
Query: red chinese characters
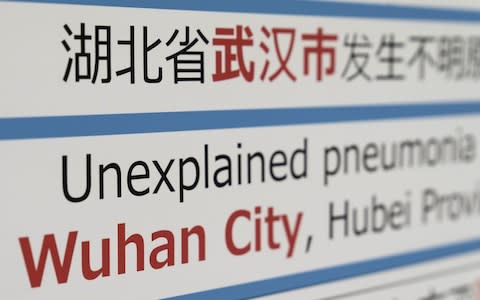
277,45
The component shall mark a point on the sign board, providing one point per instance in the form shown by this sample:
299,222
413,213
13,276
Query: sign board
225,150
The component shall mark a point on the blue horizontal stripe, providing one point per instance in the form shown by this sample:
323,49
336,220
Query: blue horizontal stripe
114,124
331,274
293,7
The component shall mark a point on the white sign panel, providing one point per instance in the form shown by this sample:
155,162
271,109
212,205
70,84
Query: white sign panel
216,150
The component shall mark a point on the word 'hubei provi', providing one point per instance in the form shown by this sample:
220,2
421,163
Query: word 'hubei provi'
207,169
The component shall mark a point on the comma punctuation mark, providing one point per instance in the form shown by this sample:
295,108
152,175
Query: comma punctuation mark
309,243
